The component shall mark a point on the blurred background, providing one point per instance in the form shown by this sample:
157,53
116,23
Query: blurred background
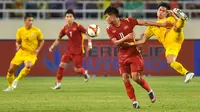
91,9
102,60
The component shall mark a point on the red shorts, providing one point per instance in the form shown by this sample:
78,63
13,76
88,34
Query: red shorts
132,64
76,58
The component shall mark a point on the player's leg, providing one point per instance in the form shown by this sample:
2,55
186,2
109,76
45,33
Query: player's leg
136,76
82,71
66,58
125,70
171,55
137,66
78,62
59,75
10,76
181,19
29,62
14,64
180,14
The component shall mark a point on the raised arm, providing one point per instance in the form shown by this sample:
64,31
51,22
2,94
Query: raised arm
120,41
152,23
142,40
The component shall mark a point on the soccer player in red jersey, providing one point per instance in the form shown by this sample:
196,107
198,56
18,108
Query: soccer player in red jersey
75,47
131,63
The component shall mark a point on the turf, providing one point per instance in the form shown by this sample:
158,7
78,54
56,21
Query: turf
100,94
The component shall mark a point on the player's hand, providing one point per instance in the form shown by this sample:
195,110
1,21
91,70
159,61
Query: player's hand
170,12
18,47
89,46
129,43
36,51
51,49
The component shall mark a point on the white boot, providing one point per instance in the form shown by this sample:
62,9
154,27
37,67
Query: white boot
136,105
8,89
14,84
57,86
87,76
188,77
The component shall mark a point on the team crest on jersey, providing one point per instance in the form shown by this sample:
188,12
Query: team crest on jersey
74,29
66,31
113,31
126,27
32,34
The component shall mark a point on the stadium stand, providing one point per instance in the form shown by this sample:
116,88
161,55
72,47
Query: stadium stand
85,9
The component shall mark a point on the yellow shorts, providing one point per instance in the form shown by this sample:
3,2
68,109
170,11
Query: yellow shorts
172,50
173,42
23,57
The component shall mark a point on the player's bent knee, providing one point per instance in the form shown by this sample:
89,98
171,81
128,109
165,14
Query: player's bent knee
76,69
169,60
135,76
125,77
63,65
29,65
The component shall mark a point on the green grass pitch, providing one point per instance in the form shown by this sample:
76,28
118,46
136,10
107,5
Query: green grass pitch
100,94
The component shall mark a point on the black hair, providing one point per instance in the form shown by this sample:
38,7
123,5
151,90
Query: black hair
70,11
163,4
28,16
111,10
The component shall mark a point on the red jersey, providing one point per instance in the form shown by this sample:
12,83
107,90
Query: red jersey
126,27
76,39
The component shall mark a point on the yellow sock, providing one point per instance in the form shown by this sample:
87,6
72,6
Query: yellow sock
23,73
10,78
180,23
178,67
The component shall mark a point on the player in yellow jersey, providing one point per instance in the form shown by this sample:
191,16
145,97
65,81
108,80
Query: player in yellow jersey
171,36
29,41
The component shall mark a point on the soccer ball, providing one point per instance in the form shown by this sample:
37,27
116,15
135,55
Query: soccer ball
93,30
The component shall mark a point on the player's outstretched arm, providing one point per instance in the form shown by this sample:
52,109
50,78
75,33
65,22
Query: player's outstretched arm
120,41
55,43
152,23
142,40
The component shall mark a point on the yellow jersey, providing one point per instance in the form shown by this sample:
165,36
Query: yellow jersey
164,36
29,38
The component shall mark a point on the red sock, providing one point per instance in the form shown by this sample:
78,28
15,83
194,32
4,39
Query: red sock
60,74
144,84
130,91
81,71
